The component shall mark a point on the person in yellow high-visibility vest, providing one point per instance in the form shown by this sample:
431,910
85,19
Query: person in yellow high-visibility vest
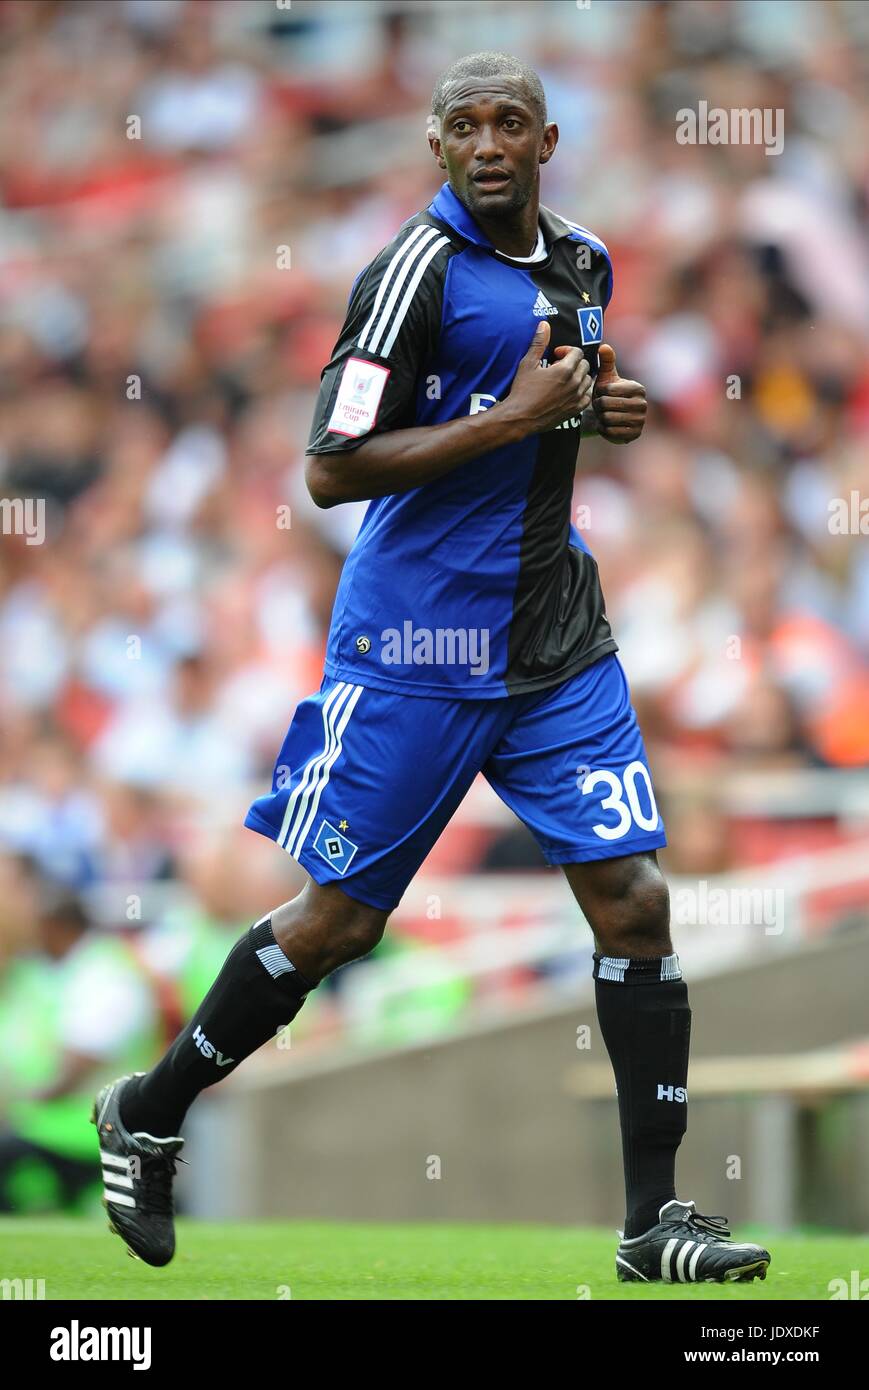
72,1012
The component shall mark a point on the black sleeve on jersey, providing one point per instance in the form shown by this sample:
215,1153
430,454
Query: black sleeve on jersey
390,332
607,292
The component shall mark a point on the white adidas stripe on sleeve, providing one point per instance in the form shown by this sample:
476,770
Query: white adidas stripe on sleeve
418,250
411,291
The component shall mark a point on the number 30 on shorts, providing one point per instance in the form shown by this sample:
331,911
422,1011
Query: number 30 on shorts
623,799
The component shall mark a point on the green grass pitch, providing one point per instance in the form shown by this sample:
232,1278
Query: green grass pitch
311,1260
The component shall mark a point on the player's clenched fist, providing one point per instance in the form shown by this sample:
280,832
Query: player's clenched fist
619,405
540,400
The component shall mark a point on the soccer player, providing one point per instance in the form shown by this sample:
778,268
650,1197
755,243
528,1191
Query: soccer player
468,635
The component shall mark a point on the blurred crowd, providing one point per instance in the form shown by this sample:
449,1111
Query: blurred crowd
187,190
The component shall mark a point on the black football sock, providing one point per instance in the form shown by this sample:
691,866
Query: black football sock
645,1019
257,991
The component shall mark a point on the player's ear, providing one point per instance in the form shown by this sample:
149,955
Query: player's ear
548,142
434,141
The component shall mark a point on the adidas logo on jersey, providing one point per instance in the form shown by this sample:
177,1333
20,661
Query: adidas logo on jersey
542,308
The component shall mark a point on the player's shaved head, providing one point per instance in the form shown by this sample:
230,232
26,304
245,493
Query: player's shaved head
487,65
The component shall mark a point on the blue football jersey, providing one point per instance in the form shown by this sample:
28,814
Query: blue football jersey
475,585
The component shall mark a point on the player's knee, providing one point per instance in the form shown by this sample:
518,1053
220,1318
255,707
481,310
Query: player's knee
323,928
349,937
635,921
359,932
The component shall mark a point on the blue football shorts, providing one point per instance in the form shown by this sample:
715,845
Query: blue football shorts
367,779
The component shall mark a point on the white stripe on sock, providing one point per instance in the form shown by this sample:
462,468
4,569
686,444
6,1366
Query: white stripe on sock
613,968
275,961
670,968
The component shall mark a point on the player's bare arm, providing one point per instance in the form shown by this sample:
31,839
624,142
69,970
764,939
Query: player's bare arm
400,460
